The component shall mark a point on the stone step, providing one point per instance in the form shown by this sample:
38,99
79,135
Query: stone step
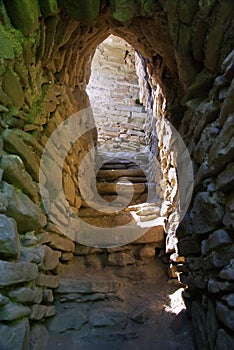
117,173
124,188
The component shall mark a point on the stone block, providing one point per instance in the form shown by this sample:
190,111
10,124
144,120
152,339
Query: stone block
26,213
51,259
15,336
153,235
222,151
224,341
14,143
218,259
189,246
38,312
48,281
228,271
206,213
72,319
84,12
48,7
23,14
225,180
12,311
120,259
15,174
26,295
9,238
225,314
67,286
12,88
39,337
13,273
58,242
229,299
218,239
6,46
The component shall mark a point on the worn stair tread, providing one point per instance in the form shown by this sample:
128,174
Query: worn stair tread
116,173
109,187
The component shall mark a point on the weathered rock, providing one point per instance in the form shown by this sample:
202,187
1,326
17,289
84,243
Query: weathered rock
215,286
76,286
228,271
9,238
14,143
199,326
48,281
15,336
219,258
13,273
221,153
26,295
6,46
39,337
33,255
51,259
26,213
212,324
229,299
206,214
85,250
12,87
120,259
48,296
27,15
228,219
72,319
38,312
225,314
189,246
108,317
12,311
225,180
224,340
58,242
218,239
14,173
147,252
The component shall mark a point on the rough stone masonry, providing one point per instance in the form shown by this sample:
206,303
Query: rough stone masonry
186,50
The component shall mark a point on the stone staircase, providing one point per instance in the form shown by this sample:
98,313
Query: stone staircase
123,180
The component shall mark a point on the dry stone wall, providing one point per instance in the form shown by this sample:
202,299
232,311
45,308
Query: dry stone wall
114,95
45,57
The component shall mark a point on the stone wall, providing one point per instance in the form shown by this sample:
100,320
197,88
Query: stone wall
114,95
46,53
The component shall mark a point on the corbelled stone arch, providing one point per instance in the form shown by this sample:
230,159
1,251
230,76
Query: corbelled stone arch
46,52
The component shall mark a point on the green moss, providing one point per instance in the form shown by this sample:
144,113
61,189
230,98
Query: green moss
35,109
84,11
15,38
48,7
23,14
123,10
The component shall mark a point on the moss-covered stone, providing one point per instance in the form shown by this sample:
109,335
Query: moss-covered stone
48,7
6,47
3,15
11,86
84,11
123,10
23,14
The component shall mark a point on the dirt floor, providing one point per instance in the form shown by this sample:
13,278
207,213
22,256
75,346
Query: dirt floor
132,308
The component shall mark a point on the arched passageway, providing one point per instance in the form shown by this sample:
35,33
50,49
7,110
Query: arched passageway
46,50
